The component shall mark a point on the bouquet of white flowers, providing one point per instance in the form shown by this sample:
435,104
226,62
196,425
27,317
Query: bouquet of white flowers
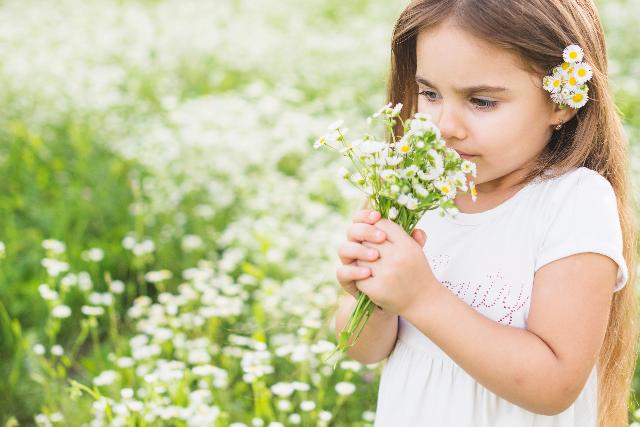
402,179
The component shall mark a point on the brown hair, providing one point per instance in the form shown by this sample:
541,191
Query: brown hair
537,31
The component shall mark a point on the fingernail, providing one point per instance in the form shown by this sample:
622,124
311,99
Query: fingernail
379,235
373,215
372,253
364,270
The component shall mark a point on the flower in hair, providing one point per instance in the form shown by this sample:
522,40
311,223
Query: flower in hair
567,83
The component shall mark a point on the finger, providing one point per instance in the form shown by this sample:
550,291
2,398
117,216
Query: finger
360,232
349,251
419,236
347,274
368,216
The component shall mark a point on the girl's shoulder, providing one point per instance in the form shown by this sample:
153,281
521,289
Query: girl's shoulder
577,183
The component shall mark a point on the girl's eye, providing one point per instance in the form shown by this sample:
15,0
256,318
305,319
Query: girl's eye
480,104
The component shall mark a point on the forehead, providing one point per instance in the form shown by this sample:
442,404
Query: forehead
451,56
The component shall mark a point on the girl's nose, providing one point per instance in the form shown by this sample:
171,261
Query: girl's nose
450,123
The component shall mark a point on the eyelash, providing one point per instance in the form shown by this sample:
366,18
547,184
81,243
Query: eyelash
489,104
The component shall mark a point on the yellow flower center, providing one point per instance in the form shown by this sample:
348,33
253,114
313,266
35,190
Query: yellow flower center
445,189
573,55
577,97
565,65
404,148
556,83
582,72
573,81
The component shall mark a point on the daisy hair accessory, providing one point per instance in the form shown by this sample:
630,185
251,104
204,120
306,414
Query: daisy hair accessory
568,81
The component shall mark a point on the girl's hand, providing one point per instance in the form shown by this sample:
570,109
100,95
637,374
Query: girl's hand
401,275
354,250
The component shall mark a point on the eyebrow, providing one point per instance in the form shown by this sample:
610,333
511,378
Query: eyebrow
466,90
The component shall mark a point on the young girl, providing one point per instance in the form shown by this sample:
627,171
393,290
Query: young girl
518,311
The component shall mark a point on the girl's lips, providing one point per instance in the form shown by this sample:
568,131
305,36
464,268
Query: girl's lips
465,155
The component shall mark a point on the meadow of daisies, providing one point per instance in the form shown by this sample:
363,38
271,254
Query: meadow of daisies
168,234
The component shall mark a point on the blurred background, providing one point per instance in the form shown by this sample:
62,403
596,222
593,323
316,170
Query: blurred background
167,231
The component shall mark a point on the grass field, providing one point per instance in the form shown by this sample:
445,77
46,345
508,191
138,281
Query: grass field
167,231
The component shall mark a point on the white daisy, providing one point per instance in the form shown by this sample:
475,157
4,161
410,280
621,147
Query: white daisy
403,199
577,100
422,116
583,72
396,110
412,203
446,187
327,138
571,83
382,110
472,188
403,147
573,53
371,147
393,160
420,190
459,180
357,177
411,171
393,213
556,83
387,174
468,166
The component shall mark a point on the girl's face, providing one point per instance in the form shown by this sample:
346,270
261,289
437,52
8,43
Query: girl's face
484,104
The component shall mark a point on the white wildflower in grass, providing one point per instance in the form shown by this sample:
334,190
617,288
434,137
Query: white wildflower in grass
345,388
61,311
369,416
3,250
282,389
116,286
157,276
307,405
325,416
54,246
105,378
57,350
284,405
93,254
403,178
191,242
54,267
352,365
294,418
47,293
39,349
89,310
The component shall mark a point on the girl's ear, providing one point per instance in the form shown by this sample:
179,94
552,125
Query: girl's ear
561,115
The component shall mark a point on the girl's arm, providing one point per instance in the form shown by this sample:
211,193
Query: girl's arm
378,337
542,371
